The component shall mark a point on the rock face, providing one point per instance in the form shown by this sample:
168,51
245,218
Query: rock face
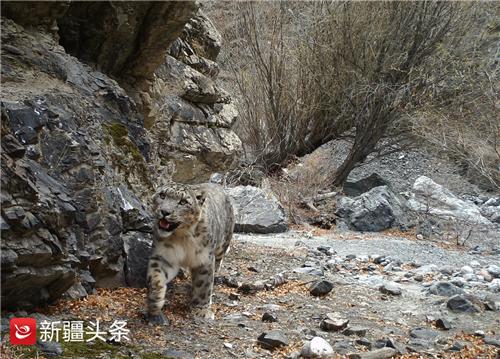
79,158
373,211
429,197
257,211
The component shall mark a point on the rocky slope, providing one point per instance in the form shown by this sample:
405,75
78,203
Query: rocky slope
101,103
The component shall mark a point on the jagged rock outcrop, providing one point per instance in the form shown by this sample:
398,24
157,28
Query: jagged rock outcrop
192,115
79,163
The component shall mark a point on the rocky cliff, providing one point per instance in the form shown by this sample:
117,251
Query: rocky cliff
101,103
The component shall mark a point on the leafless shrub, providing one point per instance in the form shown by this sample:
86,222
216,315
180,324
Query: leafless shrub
298,189
311,72
459,114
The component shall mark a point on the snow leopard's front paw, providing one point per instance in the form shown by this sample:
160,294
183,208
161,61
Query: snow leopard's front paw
159,319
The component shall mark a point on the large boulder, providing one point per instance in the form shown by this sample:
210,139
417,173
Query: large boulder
429,197
373,211
257,211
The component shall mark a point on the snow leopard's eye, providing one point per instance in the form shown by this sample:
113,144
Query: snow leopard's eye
183,201
162,195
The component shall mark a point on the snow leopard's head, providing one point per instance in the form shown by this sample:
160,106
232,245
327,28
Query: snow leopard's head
176,206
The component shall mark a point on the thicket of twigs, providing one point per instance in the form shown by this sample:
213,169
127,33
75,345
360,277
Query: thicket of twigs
393,73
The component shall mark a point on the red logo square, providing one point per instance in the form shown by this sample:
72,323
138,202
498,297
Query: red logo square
23,331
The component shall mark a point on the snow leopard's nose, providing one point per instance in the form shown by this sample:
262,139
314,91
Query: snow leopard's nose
165,213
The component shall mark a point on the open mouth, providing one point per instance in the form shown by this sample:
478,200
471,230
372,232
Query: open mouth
167,226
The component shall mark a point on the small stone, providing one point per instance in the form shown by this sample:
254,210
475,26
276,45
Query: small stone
466,269
234,296
390,288
317,348
253,269
51,349
456,347
332,323
228,345
492,302
359,331
479,333
383,353
268,317
444,324
273,339
445,289
321,288
494,270
251,288
418,277
326,250
459,303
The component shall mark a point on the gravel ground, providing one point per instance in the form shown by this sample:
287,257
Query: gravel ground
422,252
403,312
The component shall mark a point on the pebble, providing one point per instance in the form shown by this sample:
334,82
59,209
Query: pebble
364,342
390,288
444,324
466,269
332,323
268,317
321,288
445,289
418,277
459,303
456,347
273,339
494,270
317,348
359,331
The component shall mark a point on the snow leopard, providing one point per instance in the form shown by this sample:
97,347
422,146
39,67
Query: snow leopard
194,227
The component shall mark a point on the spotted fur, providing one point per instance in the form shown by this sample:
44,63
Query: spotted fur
194,228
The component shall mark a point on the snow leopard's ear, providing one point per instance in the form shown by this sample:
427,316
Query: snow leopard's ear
200,196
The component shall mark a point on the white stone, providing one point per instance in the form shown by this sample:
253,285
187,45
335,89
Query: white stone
317,348
429,197
494,270
466,269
